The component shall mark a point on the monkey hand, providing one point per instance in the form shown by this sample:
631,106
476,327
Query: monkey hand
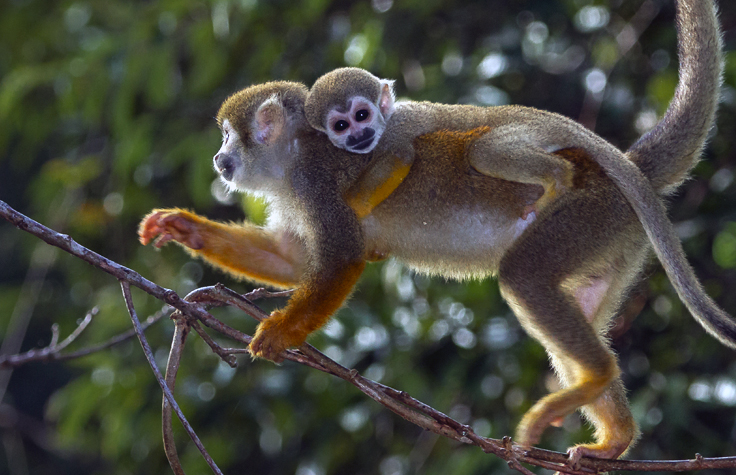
274,335
170,225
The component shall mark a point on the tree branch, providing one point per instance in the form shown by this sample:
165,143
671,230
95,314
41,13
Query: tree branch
53,352
168,395
398,401
181,330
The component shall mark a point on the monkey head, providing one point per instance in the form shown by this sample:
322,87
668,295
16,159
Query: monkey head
352,107
258,127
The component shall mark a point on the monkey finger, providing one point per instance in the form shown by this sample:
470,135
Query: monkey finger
162,239
149,228
528,210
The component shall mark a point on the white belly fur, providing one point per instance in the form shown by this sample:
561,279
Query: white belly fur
462,245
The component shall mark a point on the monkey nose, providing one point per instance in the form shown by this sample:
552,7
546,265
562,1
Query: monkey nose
362,141
225,165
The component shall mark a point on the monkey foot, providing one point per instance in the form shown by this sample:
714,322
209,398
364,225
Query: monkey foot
273,337
601,451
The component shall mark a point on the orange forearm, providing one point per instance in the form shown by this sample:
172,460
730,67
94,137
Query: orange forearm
308,310
250,252
315,302
243,250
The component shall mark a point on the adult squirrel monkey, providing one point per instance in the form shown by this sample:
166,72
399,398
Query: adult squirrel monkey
460,210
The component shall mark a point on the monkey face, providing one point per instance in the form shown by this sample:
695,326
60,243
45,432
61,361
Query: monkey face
228,160
357,127
259,125
257,166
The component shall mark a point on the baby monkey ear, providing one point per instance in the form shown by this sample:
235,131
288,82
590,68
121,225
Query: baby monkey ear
269,121
387,99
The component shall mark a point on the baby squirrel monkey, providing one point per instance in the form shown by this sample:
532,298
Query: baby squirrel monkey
460,211
358,113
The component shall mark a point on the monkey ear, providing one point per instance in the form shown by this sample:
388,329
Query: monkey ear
386,101
269,121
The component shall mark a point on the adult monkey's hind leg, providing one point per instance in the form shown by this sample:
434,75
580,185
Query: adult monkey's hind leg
564,278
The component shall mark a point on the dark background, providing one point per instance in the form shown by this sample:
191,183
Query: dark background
106,111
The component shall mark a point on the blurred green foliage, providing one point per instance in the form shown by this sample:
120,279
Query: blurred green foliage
106,111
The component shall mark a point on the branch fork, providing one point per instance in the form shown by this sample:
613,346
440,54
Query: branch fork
191,313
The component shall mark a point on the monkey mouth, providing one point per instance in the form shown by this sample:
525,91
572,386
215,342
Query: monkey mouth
363,142
363,145
226,174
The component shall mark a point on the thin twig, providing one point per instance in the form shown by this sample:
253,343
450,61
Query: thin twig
398,401
220,293
53,354
181,330
122,273
55,334
41,261
261,293
164,386
227,356
50,352
77,331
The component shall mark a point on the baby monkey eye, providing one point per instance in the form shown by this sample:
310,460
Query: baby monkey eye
362,115
341,125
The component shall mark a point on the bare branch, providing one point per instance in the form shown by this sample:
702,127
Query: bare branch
227,356
53,353
55,334
164,386
181,330
121,273
42,259
398,401
261,293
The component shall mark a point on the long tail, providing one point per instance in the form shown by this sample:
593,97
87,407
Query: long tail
661,159
668,152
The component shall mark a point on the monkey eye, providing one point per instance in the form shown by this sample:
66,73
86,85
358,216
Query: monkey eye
341,125
362,115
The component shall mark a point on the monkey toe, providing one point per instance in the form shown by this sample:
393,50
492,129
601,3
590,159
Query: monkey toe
261,348
272,339
602,450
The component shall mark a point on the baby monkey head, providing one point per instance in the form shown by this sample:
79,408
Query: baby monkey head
352,107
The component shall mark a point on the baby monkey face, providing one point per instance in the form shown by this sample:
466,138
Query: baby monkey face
356,127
